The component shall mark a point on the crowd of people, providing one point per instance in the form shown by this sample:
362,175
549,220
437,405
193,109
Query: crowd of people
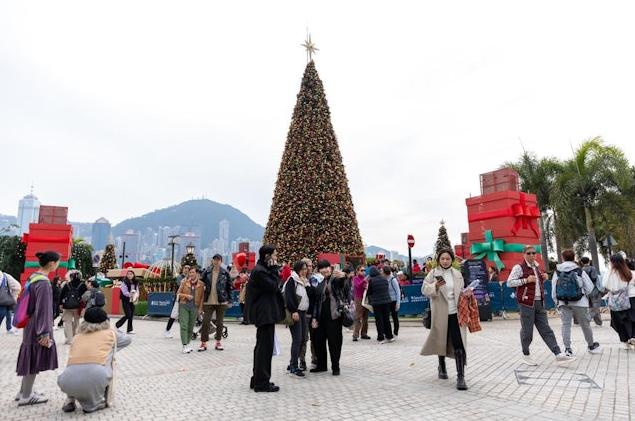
317,303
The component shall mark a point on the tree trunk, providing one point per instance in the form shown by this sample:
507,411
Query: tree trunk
543,244
593,244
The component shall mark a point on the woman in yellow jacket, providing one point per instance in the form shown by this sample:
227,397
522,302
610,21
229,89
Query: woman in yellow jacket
190,296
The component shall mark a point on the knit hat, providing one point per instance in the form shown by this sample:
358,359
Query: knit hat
95,315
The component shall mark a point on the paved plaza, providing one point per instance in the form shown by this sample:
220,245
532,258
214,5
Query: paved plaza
378,382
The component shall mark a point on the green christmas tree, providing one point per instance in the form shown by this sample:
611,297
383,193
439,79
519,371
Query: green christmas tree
312,210
443,242
108,260
190,260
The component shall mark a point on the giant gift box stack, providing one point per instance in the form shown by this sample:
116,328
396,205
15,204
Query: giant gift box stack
52,232
502,220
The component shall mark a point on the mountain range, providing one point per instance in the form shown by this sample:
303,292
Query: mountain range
201,216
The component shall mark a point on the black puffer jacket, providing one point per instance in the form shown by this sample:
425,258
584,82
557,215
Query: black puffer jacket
378,288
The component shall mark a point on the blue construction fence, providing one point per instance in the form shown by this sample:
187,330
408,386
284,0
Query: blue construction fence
414,302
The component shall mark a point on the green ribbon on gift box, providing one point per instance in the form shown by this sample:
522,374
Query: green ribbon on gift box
70,264
490,249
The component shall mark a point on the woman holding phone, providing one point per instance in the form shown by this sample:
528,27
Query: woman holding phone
443,286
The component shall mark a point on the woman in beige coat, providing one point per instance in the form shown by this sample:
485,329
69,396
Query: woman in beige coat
443,286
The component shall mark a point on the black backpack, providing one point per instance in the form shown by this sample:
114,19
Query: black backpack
97,298
72,299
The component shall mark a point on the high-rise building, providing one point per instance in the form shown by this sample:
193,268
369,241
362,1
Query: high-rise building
28,212
132,242
100,234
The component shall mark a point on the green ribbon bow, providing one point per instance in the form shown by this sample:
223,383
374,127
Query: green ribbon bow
490,249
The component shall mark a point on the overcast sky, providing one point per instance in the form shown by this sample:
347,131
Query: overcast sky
117,108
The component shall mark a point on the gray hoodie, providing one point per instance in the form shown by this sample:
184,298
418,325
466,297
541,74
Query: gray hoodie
587,285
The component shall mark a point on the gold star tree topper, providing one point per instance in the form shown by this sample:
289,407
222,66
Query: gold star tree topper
310,48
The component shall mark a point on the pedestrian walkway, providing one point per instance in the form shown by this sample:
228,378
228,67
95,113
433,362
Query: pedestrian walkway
377,382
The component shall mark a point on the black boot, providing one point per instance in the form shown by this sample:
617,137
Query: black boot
443,373
459,356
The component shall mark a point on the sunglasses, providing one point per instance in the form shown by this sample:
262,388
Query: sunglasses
530,252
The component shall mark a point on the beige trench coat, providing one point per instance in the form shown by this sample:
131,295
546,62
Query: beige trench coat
437,342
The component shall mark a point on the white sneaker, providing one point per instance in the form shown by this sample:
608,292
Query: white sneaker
13,331
186,349
167,334
626,346
562,359
631,342
528,360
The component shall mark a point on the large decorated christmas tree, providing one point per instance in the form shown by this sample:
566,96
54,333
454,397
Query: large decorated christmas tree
312,210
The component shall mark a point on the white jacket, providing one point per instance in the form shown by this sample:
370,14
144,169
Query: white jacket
614,283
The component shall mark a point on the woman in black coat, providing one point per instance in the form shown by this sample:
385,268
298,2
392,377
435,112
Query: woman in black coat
379,297
326,321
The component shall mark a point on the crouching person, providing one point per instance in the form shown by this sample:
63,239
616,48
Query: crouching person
89,371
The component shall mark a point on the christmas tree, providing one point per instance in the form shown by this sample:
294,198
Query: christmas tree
190,260
109,260
312,210
443,242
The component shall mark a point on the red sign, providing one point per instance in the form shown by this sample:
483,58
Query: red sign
411,241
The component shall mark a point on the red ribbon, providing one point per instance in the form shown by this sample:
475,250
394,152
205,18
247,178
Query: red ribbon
523,213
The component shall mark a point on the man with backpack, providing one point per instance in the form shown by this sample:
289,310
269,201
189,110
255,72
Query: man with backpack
70,301
569,288
93,297
595,297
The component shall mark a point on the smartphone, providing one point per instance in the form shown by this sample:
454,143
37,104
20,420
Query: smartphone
336,266
439,278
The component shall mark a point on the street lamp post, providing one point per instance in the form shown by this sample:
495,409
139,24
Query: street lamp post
173,241
123,255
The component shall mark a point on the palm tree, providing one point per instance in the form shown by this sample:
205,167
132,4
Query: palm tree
593,178
536,176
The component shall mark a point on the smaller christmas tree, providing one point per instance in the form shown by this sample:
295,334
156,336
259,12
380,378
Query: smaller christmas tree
190,260
109,260
443,242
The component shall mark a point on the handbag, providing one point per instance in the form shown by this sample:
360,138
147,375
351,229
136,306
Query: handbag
175,310
427,318
288,318
618,300
348,318
6,299
366,301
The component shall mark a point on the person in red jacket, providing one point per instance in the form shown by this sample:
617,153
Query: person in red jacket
286,272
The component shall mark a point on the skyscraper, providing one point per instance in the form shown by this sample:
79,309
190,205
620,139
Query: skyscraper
28,212
100,234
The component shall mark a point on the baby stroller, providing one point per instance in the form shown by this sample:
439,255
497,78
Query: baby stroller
212,329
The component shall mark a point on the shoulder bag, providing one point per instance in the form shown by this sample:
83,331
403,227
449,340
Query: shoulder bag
6,299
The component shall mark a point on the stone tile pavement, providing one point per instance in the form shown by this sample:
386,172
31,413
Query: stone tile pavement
378,382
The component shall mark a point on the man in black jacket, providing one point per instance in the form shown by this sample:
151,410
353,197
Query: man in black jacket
264,308
219,296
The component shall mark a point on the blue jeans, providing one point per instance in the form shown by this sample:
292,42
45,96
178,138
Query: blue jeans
6,312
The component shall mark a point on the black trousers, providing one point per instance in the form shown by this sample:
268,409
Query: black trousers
395,317
330,331
263,352
382,321
454,332
128,311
